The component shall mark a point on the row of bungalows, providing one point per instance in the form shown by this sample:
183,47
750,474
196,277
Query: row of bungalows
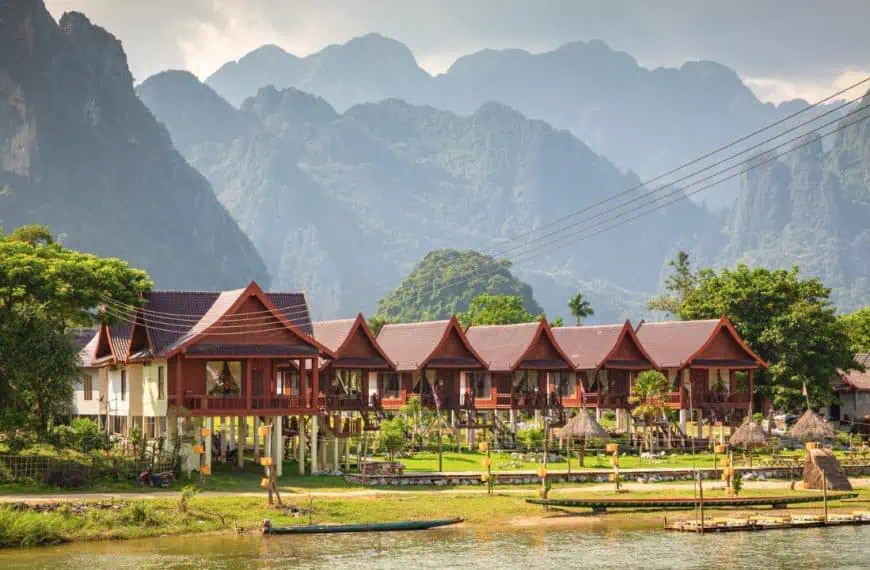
248,353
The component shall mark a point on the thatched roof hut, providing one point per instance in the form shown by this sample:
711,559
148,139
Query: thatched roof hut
582,426
750,434
812,427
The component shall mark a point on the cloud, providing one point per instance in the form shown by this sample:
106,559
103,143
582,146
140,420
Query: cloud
797,43
779,90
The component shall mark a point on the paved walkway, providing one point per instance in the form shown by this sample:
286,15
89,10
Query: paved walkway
857,483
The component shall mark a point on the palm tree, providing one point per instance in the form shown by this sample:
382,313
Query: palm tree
580,307
649,392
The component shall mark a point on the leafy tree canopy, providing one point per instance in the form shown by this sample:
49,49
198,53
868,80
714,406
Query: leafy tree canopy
446,281
488,309
788,321
678,285
858,328
43,277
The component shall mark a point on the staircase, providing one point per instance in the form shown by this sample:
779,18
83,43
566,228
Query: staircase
820,464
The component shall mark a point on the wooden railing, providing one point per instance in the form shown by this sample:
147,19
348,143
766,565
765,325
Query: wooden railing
217,403
278,402
672,398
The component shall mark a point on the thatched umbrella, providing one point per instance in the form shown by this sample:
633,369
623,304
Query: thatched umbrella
811,427
747,436
583,427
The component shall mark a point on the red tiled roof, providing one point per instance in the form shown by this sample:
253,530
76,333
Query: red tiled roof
119,339
502,346
672,343
333,334
409,345
856,379
588,345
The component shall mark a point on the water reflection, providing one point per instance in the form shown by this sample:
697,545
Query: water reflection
472,547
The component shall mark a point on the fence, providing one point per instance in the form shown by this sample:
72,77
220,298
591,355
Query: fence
78,472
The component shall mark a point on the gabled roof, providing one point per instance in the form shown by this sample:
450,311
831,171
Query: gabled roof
172,319
591,346
225,305
337,334
675,344
412,345
855,379
505,347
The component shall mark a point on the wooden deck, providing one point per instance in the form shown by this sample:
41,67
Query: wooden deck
601,505
767,523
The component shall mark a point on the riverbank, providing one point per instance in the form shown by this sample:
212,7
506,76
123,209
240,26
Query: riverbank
86,518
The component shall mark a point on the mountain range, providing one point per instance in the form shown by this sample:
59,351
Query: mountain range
80,153
344,204
648,120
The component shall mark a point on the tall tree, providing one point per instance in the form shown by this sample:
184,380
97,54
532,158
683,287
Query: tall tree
580,307
44,288
858,328
488,309
788,321
678,285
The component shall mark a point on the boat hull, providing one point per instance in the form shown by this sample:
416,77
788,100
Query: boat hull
372,527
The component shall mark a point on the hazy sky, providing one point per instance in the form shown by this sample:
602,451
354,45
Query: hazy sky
782,48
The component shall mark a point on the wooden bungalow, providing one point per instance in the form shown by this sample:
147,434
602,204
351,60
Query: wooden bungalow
606,359
710,367
528,370
430,358
350,380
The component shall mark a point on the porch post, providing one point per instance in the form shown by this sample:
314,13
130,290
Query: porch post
314,456
301,445
256,438
209,423
278,445
751,391
315,383
179,386
303,382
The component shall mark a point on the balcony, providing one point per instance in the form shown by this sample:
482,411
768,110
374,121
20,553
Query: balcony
345,402
278,402
608,400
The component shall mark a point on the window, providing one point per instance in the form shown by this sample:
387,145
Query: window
161,383
123,385
565,384
288,382
481,384
223,377
346,382
389,384
88,386
525,381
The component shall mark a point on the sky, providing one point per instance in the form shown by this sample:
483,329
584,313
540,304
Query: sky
783,49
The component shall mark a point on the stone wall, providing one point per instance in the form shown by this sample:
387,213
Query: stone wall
586,476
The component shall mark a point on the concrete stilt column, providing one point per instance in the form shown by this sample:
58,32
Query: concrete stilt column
347,455
513,421
243,436
336,463
301,447
539,420
700,424
314,455
684,414
223,439
598,415
256,438
278,445
209,423
233,421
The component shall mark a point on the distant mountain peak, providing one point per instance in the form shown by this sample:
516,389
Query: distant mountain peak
292,104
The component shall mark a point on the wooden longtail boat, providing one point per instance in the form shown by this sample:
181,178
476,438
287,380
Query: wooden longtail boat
371,527
685,502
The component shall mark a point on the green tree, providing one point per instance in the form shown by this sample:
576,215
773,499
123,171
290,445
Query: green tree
376,323
446,281
650,388
38,368
788,321
557,322
392,436
580,307
857,326
60,284
678,286
488,309
44,288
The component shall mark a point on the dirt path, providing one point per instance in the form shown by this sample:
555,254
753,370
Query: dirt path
857,483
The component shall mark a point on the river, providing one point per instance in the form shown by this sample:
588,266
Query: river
473,547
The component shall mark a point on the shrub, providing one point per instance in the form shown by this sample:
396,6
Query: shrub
530,437
139,514
89,436
65,476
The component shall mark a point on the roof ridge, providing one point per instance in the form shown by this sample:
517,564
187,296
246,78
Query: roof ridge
645,323
442,321
329,321
536,323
